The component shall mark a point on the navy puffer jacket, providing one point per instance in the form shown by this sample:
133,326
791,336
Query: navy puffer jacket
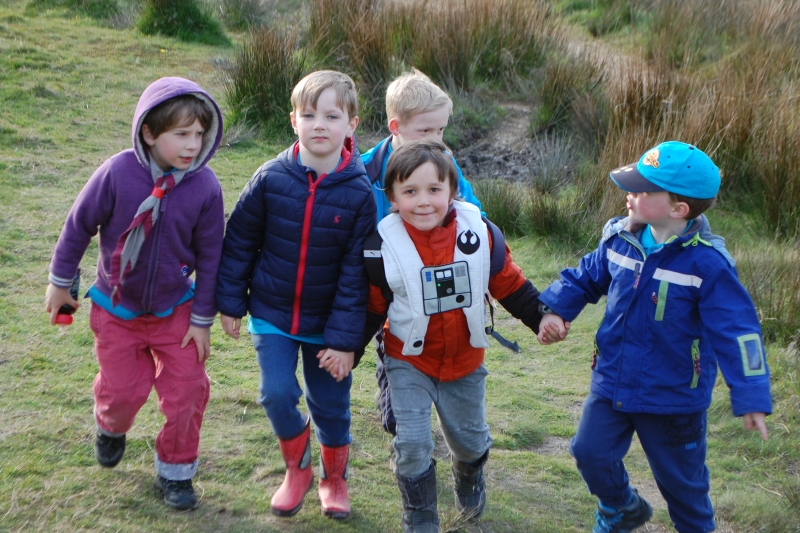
293,249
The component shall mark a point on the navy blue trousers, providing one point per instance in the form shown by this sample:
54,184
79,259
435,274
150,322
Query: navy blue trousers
328,402
675,446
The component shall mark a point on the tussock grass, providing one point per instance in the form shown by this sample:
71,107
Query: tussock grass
258,85
721,75
770,273
187,20
504,203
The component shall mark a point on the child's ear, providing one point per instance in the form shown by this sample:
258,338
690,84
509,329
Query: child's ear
293,120
352,126
395,207
147,135
680,210
394,126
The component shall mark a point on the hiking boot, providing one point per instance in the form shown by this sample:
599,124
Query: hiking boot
109,450
419,502
470,486
177,494
623,520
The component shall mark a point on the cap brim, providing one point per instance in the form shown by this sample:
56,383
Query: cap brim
629,179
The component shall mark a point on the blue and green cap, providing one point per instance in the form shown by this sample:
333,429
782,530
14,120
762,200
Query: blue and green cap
674,167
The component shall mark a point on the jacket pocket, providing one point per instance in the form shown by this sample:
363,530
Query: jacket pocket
696,371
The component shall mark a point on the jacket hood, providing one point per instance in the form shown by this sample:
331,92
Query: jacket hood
164,89
701,231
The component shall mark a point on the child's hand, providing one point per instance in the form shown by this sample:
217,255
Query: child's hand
755,421
201,338
54,298
230,325
552,329
338,364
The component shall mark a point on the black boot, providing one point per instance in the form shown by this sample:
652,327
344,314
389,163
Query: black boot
470,486
419,502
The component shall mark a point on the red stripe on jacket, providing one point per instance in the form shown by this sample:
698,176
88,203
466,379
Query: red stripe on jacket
347,155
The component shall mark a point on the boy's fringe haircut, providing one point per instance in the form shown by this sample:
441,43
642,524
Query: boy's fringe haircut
307,91
412,155
413,93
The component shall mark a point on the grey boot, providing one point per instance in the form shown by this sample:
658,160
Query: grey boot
470,486
419,502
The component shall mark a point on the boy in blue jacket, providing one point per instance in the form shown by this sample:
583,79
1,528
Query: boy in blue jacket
417,109
293,259
675,310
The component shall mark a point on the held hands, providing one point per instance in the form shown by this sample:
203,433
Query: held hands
54,298
201,338
552,329
230,325
755,422
338,364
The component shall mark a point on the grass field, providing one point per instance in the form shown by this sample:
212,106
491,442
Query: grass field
67,93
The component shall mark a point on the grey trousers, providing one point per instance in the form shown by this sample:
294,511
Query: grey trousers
459,406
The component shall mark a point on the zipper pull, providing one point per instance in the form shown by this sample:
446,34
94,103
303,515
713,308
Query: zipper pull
637,272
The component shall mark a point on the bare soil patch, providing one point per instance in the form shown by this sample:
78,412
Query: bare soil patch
506,151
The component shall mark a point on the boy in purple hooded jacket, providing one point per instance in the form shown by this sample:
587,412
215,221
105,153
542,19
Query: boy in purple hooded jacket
159,212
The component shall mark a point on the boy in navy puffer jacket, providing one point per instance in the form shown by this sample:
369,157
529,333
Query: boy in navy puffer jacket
675,310
293,259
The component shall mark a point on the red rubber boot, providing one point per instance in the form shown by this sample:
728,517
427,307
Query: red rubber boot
333,482
299,474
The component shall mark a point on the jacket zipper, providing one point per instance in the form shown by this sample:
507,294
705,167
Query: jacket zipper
301,264
156,241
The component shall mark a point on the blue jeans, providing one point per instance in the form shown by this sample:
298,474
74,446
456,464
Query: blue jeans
459,406
328,402
675,446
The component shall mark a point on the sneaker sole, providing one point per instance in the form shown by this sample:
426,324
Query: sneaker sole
108,464
336,515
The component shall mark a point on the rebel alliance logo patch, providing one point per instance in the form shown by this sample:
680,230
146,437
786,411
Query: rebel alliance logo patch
468,242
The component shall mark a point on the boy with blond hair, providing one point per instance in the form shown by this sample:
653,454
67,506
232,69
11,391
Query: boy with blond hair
292,259
675,311
417,109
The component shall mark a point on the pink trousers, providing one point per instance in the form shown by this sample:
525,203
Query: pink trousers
136,354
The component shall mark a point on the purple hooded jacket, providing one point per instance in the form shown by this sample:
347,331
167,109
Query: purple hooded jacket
187,237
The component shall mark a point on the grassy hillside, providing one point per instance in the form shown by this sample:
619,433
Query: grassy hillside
68,91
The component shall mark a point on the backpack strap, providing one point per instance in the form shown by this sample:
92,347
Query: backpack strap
374,167
497,254
497,261
373,260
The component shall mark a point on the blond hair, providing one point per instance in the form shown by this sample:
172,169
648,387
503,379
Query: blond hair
308,90
413,93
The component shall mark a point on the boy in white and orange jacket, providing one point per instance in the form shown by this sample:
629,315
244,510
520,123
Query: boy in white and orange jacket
437,263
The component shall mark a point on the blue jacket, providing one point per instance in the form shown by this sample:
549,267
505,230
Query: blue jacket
293,249
670,319
375,160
